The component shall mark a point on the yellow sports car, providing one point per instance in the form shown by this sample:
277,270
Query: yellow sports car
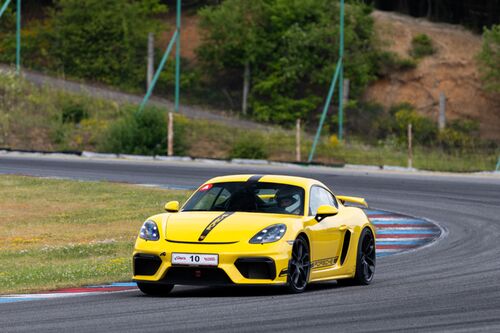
256,230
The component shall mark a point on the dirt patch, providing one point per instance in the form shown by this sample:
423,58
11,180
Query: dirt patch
452,70
190,36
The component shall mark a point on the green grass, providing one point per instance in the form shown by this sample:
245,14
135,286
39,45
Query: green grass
216,140
57,233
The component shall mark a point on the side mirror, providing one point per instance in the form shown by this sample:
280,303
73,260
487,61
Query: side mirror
172,206
325,211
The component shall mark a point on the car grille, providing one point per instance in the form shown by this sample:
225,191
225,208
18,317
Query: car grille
196,276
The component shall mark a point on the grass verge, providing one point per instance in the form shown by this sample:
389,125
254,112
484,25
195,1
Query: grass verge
41,118
59,233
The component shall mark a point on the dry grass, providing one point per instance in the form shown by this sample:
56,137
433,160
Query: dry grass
56,233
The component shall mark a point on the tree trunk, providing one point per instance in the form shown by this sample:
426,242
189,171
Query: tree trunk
429,9
246,88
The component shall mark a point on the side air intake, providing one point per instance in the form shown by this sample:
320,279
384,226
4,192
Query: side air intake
345,246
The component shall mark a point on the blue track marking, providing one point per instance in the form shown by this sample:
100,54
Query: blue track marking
395,232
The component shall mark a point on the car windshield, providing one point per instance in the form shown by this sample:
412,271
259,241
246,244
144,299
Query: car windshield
257,197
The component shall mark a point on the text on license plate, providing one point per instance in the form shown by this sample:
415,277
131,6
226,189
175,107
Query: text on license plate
195,259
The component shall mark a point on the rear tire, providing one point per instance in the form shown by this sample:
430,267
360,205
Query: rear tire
366,258
154,289
299,266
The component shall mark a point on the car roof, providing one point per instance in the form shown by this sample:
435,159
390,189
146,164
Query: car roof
280,179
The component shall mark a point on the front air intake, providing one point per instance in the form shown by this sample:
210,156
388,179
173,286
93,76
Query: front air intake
256,268
146,264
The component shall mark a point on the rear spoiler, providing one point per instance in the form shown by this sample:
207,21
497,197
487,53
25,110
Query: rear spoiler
355,200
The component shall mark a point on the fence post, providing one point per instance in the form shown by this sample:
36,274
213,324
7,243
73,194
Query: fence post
18,37
297,141
410,147
246,88
178,57
170,134
151,59
341,78
442,111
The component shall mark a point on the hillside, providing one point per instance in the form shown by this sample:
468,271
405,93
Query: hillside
451,70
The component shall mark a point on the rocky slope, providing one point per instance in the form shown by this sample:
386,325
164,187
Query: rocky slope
451,70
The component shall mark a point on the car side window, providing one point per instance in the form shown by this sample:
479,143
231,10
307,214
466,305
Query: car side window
319,196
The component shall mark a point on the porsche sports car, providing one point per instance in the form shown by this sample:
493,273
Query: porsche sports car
256,230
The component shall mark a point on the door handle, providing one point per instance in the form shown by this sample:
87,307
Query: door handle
343,227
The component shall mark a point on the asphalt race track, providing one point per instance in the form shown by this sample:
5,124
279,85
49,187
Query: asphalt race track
452,285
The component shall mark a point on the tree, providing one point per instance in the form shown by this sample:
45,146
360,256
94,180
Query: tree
292,48
230,40
103,40
489,59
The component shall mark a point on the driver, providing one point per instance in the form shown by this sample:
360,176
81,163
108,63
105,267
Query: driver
288,201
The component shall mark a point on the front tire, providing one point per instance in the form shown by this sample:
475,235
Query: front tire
153,289
299,266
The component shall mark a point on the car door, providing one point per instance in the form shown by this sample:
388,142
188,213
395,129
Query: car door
327,234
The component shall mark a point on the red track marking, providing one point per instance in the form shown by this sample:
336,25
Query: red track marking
89,290
384,247
404,236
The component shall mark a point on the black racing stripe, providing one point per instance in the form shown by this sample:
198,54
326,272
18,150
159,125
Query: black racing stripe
254,178
213,224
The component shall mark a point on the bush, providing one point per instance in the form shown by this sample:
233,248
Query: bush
460,133
422,46
390,62
424,129
73,111
249,146
142,134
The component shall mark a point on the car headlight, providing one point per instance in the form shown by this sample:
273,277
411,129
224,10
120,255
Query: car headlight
270,234
149,231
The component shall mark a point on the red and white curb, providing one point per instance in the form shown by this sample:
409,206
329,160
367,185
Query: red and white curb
396,233
70,292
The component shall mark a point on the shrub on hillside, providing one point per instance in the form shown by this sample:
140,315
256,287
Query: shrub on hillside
249,146
460,133
422,46
390,62
142,134
424,129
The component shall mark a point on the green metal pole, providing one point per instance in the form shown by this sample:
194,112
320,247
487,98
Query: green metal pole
158,71
4,7
498,165
325,111
178,57
18,37
341,80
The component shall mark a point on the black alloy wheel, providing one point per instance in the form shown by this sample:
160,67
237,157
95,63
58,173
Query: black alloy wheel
365,264
155,289
299,266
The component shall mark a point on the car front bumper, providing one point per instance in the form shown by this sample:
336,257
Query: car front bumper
239,263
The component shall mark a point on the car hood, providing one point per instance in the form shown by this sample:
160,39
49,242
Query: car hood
220,227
